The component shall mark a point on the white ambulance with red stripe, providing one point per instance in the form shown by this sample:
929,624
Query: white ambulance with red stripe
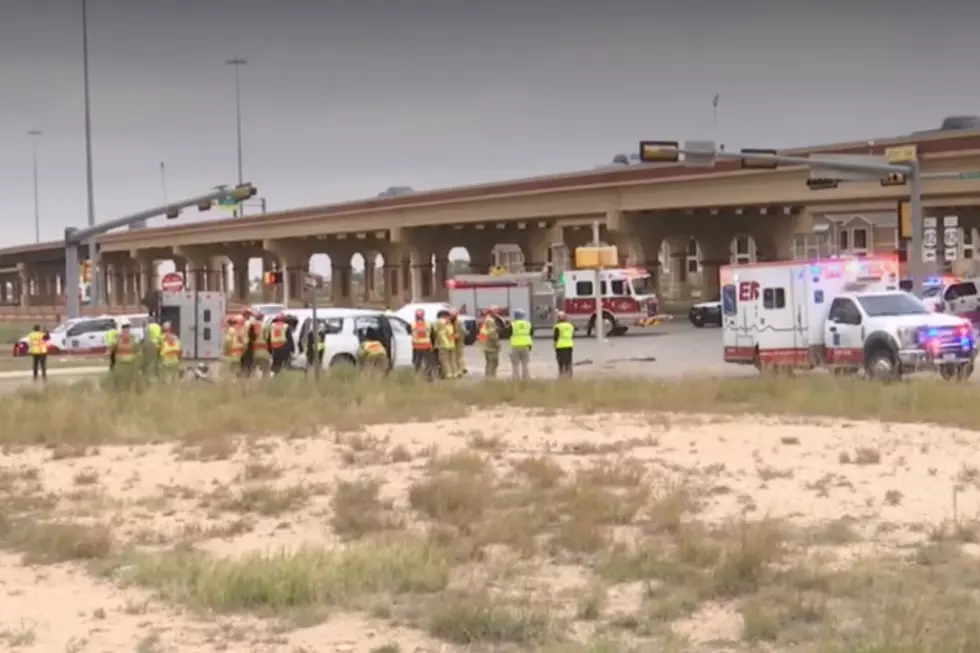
844,314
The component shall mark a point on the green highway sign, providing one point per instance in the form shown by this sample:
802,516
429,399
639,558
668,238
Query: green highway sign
227,200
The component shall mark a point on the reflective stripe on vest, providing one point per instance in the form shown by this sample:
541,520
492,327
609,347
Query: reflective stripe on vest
277,335
520,334
37,344
125,347
420,336
566,335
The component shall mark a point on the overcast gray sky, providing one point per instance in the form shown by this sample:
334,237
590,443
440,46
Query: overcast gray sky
342,99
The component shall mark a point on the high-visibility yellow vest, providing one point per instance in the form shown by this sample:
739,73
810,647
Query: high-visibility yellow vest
170,350
154,333
37,344
372,348
566,335
234,342
489,325
447,335
520,334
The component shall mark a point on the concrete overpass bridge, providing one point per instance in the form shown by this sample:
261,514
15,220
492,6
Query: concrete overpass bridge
653,213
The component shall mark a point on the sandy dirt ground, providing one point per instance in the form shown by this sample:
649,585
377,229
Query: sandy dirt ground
888,484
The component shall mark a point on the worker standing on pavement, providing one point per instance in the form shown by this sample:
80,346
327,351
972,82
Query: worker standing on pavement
234,346
564,338
489,338
422,345
37,342
170,354
459,336
248,360
111,336
151,347
446,338
372,356
521,343
280,343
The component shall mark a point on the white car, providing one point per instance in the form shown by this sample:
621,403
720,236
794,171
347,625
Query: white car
85,335
432,310
345,328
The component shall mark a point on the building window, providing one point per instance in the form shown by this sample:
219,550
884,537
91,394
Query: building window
859,240
843,242
968,244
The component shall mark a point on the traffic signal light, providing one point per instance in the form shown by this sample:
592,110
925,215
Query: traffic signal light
204,206
273,278
659,151
748,164
172,214
822,184
243,192
894,179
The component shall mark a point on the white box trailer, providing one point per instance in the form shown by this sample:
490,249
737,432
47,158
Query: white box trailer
198,320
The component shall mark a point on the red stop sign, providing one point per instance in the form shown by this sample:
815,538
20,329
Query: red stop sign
172,282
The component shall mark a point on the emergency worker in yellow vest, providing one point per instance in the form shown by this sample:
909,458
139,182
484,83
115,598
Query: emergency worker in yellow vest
446,341
37,343
372,356
459,334
564,338
234,346
280,343
489,339
170,353
153,337
521,343
257,354
111,336
422,345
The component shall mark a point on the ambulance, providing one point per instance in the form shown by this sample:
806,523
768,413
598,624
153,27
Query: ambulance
844,314
627,297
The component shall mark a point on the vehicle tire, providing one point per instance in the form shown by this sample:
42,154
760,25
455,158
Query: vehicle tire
956,372
697,319
880,365
609,326
343,360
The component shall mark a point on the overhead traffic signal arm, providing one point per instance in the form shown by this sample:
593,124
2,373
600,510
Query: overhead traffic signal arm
894,179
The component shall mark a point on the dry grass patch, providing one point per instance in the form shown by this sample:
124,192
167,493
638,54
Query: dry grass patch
291,406
359,510
290,582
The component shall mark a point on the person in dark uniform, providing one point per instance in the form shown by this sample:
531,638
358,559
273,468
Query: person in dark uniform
316,345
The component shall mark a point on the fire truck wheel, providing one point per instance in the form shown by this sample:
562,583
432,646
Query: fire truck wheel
880,366
609,326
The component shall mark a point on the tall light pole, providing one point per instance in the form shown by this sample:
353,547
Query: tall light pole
237,63
89,184
34,134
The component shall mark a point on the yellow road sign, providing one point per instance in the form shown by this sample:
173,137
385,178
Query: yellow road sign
902,154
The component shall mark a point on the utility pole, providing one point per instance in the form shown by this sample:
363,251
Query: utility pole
237,63
93,250
35,134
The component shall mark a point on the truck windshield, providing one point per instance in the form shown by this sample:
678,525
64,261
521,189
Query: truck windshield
891,304
641,286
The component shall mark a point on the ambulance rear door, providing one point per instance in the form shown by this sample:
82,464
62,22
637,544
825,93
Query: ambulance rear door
777,318
739,314
800,297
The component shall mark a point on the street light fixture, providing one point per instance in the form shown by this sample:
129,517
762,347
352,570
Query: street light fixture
35,134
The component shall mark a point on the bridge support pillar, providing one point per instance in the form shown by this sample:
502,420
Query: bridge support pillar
370,281
195,264
240,279
341,278
441,276
294,261
774,233
22,287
